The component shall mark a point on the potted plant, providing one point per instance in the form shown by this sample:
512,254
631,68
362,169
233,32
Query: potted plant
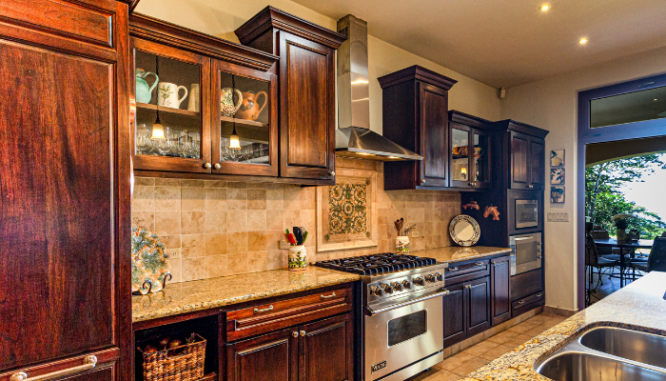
621,223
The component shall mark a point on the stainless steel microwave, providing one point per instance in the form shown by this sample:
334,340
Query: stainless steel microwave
527,214
525,252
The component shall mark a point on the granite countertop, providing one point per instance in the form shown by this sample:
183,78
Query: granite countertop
459,254
181,298
639,306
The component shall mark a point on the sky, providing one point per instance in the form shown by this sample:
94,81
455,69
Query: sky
650,194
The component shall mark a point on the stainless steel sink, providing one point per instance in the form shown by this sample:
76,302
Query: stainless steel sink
608,354
638,346
573,366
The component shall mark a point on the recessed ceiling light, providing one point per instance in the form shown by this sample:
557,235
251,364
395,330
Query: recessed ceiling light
583,41
545,7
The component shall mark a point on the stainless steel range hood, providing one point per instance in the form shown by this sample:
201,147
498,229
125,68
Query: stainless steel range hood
353,137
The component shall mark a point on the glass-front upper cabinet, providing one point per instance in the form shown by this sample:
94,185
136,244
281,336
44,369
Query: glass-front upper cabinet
244,129
470,157
172,120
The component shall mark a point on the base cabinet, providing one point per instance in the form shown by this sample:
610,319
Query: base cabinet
319,351
501,290
466,310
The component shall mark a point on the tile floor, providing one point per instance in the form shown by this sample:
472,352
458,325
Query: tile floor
461,364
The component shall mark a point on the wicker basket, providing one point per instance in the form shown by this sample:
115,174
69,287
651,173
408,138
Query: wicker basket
183,363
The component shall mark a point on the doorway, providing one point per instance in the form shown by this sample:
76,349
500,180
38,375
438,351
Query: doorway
617,122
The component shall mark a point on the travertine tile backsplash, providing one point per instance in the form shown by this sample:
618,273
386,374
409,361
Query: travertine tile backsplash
217,228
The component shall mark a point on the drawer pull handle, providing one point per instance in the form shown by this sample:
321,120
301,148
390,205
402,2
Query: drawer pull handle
258,311
445,292
89,363
324,297
539,295
453,269
521,302
479,264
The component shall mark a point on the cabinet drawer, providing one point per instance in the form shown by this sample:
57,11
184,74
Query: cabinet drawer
528,302
526,284
269,317
463,272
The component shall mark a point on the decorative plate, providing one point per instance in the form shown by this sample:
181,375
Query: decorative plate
464,230
150,262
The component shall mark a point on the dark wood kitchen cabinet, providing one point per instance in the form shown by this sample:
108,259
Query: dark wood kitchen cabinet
501,290
470,155
270,357
217,87
306,89
64,189
527,161
416,117
466,310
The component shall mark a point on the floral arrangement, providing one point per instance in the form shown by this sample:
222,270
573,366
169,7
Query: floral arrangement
622,220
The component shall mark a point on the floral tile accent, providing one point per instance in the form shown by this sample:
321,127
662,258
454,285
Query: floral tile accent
346,211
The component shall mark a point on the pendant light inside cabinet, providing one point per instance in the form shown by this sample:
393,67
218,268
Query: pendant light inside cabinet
158,128
234,139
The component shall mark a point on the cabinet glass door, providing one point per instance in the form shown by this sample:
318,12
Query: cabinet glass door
170,128
481,160
460,171
245,139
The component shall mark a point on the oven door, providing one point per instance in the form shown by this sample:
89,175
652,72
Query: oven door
527,214
525,253
401,333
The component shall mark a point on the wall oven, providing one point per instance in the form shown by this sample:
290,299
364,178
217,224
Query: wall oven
527,214
525,252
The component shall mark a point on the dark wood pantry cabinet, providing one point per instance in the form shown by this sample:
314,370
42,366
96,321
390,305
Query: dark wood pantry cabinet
64,190
415,104
306,89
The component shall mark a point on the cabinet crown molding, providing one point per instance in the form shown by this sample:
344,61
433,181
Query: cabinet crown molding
467,119
271,17
513,125
420,73
162,32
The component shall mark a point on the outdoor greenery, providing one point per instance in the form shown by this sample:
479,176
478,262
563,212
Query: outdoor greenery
604,198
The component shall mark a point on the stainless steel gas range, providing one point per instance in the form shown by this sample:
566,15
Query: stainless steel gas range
403,327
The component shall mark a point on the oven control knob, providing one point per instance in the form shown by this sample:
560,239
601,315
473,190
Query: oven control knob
406,284
396,286
431,278
376,291
440,277
419,281
387,288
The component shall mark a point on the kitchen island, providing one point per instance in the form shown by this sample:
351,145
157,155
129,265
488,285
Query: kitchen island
639,306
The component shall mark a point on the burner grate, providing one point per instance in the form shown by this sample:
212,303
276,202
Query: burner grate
377,264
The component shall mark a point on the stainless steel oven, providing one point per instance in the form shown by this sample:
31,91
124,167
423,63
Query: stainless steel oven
526,213
525,252
404,336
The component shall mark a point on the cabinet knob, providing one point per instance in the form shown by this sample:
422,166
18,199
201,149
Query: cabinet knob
218,166
295,333
303,333
331,173
423,181
207,166
530,186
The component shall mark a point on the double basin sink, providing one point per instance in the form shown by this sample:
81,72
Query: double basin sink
608,354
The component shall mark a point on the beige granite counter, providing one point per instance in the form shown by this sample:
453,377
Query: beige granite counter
181,298
638,306
459,254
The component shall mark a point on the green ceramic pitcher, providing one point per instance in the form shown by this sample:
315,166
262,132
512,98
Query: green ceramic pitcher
144,93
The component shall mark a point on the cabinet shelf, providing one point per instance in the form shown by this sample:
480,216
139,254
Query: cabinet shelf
243,121
167,110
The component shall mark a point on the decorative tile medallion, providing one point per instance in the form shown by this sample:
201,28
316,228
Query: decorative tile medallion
346,211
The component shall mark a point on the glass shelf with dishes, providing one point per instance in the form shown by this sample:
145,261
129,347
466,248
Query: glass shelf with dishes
459,155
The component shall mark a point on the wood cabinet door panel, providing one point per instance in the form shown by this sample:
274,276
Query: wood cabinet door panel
56,214
478,297
519,160
434,133
501,297
307,118
270,357
455,315
537,166
326,350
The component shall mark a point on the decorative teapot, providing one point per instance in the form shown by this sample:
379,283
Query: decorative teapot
144,93
227,106
249,108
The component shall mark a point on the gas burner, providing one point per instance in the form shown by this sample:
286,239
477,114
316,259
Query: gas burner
377,264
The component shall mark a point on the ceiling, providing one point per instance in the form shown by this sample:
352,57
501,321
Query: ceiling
506,43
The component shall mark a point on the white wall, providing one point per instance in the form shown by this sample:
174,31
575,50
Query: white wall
552,104
221,17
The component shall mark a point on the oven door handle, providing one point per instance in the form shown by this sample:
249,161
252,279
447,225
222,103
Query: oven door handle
373,311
